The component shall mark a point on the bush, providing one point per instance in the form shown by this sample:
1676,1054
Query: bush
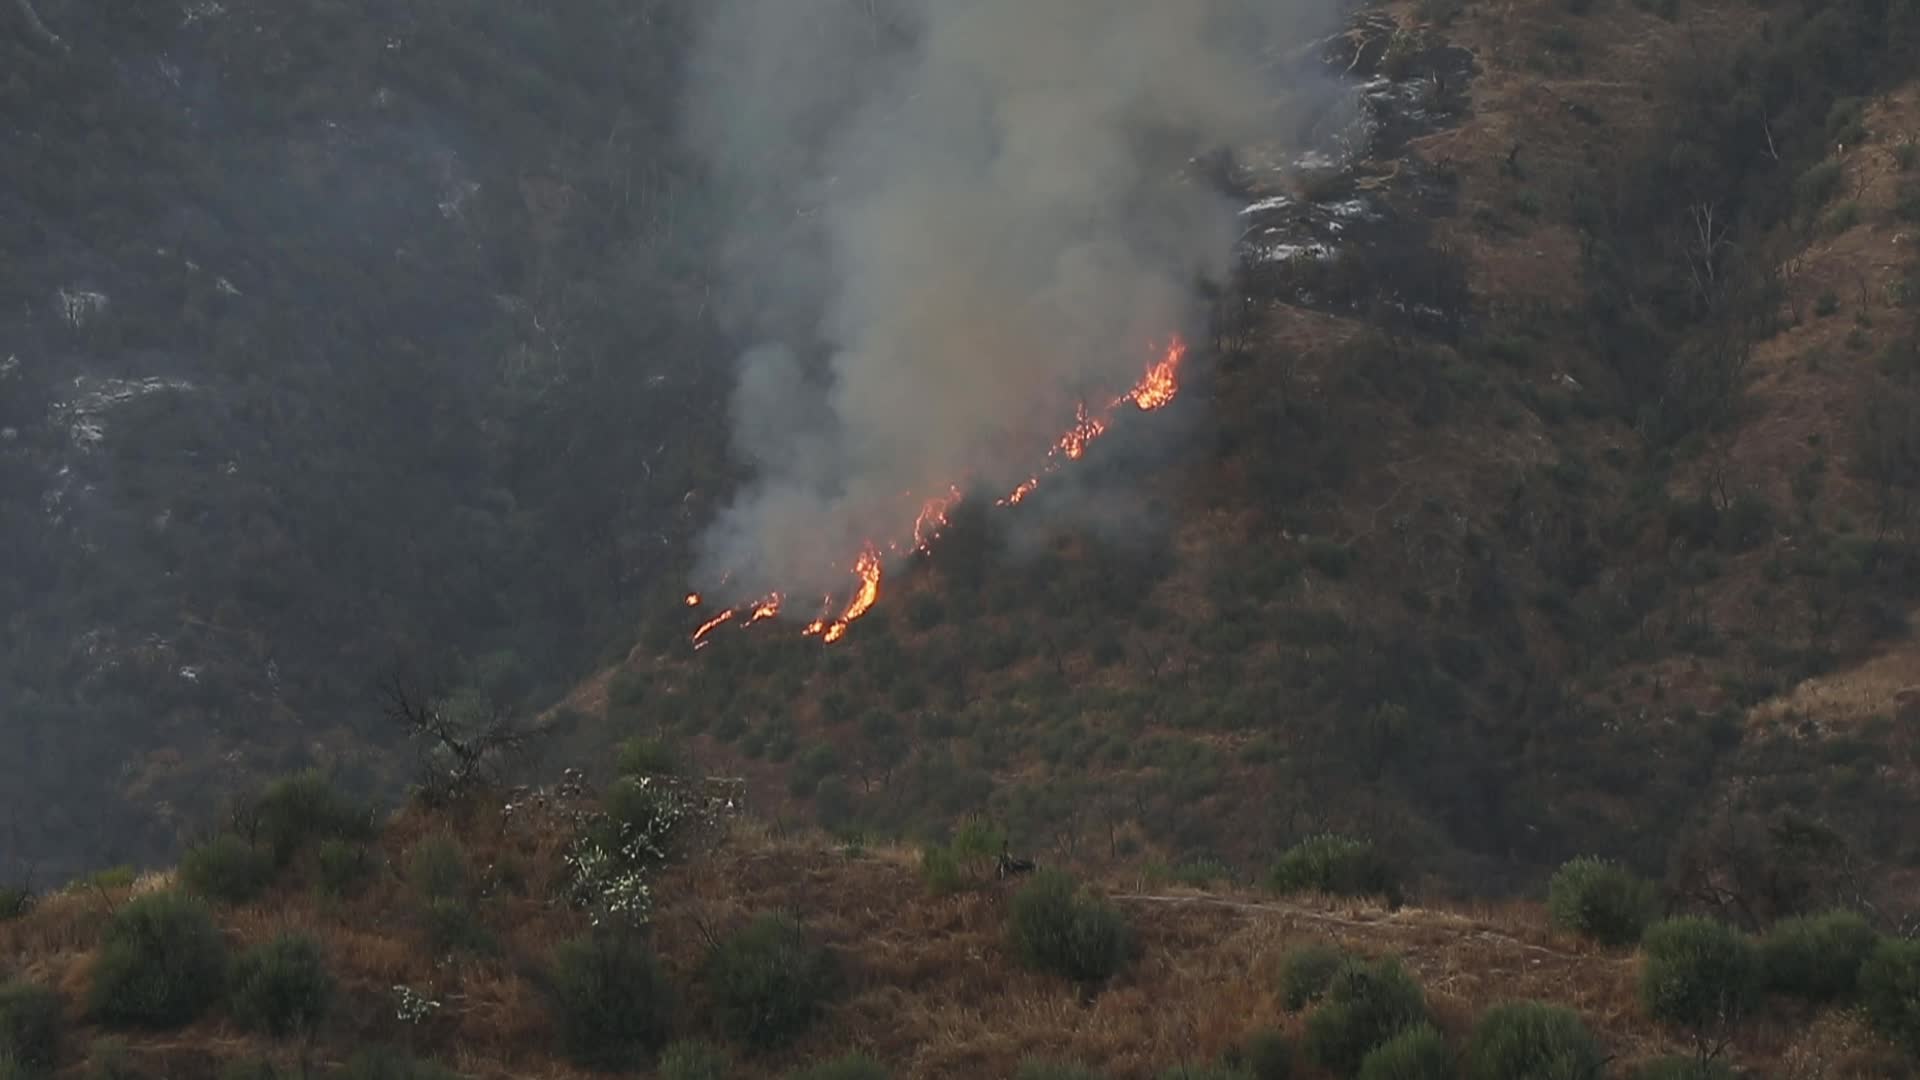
454,926
1418,1053
643,756
1523,1040
1600,900
1053,1070
1683,1068
29,1025
1055,928
1305,972
1337,865
1890,988
1816,957
249,1069
437,868
695,1061
1200,1072
391,1065
161,963
282,986
227,869
300,809
1696,973
1268,1055
769,981
851,1067
611,1005
15,901
345,866
1366,1004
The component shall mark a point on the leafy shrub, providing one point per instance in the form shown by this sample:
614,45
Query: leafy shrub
1418,1053
345,866
769,981
1337,865
1305,972
162,962
281,986
941,871
227,869
645,756
297,810
250,1069
107,1060
1683,1068
437,869
851,1067
380,1064
15,901
1053,1070
1818,185
1366,1004
1816,957
1697,973
29,1025
1600,900
1267,1055
1890,987
454,926
695,1061
1523,1040
610,1002
1056,928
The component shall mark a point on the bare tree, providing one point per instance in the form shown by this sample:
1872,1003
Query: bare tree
463,740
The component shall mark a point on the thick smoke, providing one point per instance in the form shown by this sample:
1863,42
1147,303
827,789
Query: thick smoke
957,218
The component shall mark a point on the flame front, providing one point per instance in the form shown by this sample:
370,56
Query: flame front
1155,390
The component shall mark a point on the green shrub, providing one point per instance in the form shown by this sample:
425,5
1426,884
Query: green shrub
303,808
941,871
1600,900
769,981
29,1025
1196,1071
454,926
226,868
645,756
1818,185
162,962
1056,928
437,869
1683,1068
107,1060
1366,1004
1305,972
281,986
611,1005
851,1067
15,901
345,866
1528,1040
1053,1070
695,1061
1816,957
1268,1055
1890,988
381,1064
1337,865
249,1069
1418,1053
1696,973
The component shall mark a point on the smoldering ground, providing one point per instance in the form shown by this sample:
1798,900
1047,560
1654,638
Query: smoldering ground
953,221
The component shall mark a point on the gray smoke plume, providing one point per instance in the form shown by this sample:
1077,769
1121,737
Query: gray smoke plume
958,218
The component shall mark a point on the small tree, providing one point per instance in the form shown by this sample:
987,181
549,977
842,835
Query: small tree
1817,957
1697,974
1600,900
29,1025
162,962
227,869
1055,927
1305,972
769,981
1418,1053
1336,865
282,987
1526,1039
1890,987
1267,1055
611,1004
1366,1005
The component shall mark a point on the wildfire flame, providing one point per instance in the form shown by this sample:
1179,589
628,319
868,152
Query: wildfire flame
1155,390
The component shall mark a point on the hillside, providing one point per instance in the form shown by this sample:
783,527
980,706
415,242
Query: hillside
927,982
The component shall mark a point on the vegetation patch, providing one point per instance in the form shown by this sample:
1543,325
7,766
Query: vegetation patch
162,963
770,981
1056,926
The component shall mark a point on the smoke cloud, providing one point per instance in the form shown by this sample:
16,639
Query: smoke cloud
955,219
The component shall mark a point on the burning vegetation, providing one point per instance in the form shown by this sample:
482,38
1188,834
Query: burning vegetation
1155,390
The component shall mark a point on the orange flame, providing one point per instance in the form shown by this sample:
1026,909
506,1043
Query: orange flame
1155,390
